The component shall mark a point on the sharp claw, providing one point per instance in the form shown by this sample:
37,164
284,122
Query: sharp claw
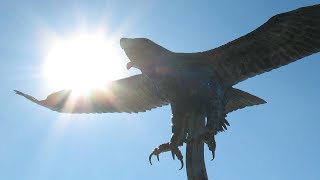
181,164
150,158
129,65
213,154
165,147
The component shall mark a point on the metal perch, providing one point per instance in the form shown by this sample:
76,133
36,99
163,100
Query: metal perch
196,168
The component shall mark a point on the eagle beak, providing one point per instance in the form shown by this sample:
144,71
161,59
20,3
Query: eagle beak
123,42
129,65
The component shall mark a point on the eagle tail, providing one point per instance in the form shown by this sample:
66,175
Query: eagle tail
237,99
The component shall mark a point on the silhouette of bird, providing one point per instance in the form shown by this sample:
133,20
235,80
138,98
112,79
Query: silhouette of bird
198,86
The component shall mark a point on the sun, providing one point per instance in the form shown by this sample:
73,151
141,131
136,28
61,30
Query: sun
82,61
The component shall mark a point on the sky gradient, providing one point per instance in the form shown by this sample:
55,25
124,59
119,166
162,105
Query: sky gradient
278,140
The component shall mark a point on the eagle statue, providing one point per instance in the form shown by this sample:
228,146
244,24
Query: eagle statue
198,86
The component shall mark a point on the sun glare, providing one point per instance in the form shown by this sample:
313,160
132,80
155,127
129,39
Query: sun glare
83,61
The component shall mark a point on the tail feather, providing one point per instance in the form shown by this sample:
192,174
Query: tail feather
236,99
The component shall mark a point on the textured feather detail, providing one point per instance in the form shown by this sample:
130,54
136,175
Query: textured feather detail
133,94
236,99
221,126
283,39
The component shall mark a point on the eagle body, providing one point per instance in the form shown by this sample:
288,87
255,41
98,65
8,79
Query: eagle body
191,89
199,85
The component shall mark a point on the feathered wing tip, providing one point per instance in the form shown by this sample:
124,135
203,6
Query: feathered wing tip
283,39
54,101
31,98
131,95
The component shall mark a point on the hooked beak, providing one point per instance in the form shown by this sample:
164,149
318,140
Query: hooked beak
124,46
124,43
129,65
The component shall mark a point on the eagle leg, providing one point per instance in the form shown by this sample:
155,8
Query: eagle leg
167,147
178,136
216,122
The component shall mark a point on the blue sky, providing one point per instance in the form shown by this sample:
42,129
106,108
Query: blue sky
278,140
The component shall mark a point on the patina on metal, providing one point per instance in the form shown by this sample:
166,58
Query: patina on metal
198,86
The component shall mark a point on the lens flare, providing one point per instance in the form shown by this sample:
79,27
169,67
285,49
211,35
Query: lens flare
83,61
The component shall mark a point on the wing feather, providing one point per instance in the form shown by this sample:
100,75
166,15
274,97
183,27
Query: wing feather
133,94
283,39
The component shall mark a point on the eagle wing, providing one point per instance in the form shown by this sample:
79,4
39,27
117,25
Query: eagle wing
283,39
133,94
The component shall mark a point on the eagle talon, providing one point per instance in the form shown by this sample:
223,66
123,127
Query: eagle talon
156,153
176,152
208,138
167,147
172,155
182,164
213,154
150,158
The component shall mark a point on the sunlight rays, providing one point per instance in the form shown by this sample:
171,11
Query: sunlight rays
83,60
80,56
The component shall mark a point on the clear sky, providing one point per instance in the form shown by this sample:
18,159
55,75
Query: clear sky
278,140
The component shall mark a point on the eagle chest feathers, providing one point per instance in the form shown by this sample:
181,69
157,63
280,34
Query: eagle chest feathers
194,89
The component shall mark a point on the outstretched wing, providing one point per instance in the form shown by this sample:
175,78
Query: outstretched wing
283,39
133,94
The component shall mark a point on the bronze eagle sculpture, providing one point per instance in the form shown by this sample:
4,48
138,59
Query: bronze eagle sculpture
198,85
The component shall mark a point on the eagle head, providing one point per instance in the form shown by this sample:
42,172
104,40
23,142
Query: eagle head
145,55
